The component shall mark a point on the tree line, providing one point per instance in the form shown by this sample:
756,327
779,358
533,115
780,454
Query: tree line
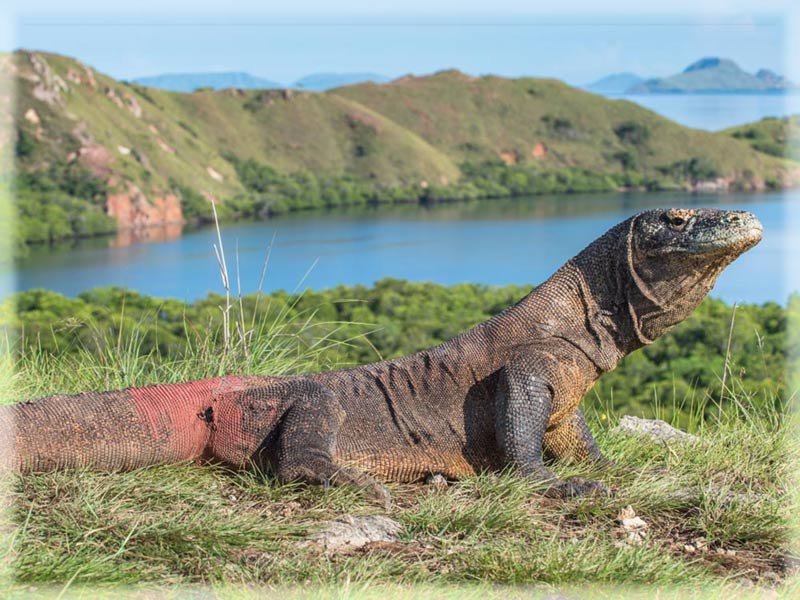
750,350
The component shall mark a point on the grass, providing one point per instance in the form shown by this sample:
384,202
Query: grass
184,527
771,135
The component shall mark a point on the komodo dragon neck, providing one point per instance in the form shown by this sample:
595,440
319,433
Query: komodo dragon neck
593,303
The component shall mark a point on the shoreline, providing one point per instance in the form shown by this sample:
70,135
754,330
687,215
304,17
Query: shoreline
143,234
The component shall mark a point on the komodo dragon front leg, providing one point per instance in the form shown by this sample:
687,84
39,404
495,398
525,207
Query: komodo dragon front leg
572,440
524,403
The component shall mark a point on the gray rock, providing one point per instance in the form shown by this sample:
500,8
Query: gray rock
653,429
348,533
437,481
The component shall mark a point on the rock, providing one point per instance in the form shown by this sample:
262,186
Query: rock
97,159
654,429
214,174
49,85
112,95
437,481
165,146
634,527
348,533
32,117
132,209
133,106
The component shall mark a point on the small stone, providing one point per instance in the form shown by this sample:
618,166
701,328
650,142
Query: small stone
653,429
32,116
214,174
689,549
232,498
348,533
634,527
730,552
437,481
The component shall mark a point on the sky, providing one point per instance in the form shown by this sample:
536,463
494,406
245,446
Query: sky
284,42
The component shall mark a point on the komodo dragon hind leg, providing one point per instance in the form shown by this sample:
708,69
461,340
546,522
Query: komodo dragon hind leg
523,404
306,443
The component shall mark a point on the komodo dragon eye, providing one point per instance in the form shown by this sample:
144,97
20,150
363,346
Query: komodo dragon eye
675,221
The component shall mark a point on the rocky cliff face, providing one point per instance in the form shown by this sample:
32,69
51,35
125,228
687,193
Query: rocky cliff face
133,210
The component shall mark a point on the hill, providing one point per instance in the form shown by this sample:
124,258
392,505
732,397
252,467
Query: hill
189,82
89,147
616,83
321,82
775,136
714,75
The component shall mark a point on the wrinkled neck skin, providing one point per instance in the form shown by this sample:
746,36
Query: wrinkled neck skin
608,303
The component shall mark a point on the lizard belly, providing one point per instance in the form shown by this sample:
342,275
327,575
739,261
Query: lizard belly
406,465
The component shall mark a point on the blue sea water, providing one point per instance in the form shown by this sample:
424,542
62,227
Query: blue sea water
491,241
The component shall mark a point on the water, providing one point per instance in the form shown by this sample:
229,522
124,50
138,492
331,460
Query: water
494,242
717,111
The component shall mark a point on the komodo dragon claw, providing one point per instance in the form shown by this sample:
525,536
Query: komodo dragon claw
574,487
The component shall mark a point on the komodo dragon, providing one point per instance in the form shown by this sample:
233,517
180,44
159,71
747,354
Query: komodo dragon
498,395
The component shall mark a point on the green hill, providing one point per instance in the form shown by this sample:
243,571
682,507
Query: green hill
775,136
483,119
94,153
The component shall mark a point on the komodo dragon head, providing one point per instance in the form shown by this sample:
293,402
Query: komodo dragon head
673,258
651,271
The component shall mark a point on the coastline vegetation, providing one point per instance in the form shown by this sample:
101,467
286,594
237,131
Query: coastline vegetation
677,378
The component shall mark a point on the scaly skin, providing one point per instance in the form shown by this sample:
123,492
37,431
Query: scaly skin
504,393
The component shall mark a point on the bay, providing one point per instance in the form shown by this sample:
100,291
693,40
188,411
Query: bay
714,112
494,242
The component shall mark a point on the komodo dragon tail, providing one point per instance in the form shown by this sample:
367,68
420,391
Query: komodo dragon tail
127,429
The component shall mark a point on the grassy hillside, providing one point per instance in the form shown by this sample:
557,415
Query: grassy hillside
483,119
774,136
87,144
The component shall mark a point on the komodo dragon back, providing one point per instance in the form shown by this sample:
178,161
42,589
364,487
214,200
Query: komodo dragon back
506,393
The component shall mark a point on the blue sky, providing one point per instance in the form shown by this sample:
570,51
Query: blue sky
284,42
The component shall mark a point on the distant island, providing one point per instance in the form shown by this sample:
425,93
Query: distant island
190,82
616,83
321,82
707,75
